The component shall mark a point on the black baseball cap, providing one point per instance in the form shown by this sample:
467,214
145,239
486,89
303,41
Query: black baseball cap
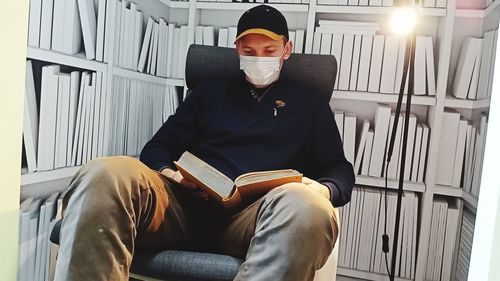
265,20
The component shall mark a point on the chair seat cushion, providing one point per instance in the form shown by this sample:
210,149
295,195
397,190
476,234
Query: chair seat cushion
185,266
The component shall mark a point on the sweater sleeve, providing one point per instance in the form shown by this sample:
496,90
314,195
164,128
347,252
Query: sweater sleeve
175,136
326,162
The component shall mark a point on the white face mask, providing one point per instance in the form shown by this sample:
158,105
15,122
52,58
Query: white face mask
260,71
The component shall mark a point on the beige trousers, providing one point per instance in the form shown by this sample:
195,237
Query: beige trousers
115,205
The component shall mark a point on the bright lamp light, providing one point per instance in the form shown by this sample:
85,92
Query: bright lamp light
403,21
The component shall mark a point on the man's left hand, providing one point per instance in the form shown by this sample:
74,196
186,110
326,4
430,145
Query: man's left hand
321,188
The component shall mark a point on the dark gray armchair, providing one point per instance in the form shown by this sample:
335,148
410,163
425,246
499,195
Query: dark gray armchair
204,62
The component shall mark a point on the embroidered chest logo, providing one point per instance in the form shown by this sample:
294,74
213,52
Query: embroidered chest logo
278,104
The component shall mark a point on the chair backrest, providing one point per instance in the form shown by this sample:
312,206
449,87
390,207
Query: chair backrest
208,62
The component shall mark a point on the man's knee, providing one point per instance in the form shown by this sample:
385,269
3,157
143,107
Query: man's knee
309,209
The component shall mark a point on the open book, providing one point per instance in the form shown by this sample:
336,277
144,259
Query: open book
228,193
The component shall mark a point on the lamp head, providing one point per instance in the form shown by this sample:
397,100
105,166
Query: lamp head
404,18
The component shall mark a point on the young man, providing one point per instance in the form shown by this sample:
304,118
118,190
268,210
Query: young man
258,122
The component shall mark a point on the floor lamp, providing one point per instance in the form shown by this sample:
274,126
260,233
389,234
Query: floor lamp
403,22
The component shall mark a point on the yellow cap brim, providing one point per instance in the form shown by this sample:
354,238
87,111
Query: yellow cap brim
261,31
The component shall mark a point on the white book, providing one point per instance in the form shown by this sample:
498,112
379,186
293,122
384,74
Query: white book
108,28
389,64
73,106
72,30
208,36
353,3
420,71
24,222
351,224
223,36
103,117
432,242
449,242
170,47
412,127
231,36
342,2
30,124
492,62
136,47
355,63
429,3
82,153
349,137
299,41
39,243
34,215
326,43
382,117
465,67
316,43
145,45
162,38
375,2
484,67
440,3
400,66
34,23
101,20
469,155
479,155
154,49
337,40
62,124
48,109
363,3
430,67
459,154
387,3
46,24
89,26
357,225
96,114
447,147
128,39
175,52
198,35
472,94
50,212
353,30
393,168
291,38
345,65
89,121
183,50
78,136
376,63
364,63
339,120
117,31
416,153
367,154
58,25
361,146
349,24
423,153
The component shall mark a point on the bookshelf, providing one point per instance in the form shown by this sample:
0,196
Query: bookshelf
445,25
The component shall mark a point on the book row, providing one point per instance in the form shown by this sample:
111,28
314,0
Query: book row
465,246
37,256
474,73
138,110
379,3
63,25
77,120
444,226
369,155
461,152
71,125
362,224
205,35
373,63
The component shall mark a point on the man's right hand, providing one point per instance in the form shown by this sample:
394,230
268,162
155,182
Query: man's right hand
189,185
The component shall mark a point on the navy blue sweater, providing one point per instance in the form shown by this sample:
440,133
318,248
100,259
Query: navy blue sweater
290,127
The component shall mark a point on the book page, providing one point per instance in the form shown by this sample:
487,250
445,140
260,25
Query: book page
204,173
254,177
